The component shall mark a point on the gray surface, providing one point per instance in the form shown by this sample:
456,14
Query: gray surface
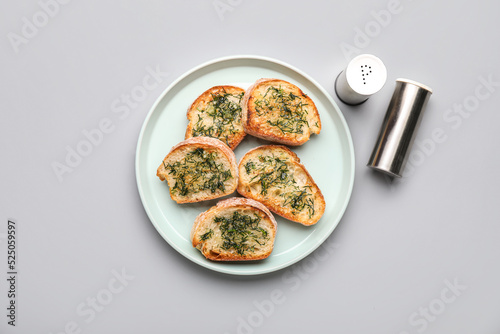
398,246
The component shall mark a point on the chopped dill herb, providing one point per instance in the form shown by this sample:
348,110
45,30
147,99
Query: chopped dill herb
249,166
239,230
273,174
223,111
198,171
270,171
289,110
207,235
299,200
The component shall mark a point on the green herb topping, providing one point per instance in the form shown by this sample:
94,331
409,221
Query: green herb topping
241,232
288,111
270,171
198,171
207,235
273,174
299,200
224,112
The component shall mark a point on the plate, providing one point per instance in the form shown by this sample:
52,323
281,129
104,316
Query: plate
329,158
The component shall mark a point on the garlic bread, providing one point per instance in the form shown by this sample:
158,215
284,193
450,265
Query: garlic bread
279,111
199,169
236,229
217,113
274,176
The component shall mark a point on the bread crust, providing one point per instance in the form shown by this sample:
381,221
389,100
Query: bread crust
202,101
274,203
205,143
255,125
238,203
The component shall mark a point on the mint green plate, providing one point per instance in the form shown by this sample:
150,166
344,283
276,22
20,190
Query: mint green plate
329,157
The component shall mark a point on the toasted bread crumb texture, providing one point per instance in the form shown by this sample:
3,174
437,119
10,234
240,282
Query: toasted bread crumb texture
217,113
234,232
274,176
199,170
280,111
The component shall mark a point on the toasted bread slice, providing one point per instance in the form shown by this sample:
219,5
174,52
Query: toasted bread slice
199,169
236,229
279,111
217,113
274,176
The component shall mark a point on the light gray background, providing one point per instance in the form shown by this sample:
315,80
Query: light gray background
394,253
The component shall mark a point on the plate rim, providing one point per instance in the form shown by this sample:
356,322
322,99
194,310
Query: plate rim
227,269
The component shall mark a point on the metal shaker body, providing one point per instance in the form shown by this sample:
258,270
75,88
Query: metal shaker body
399,127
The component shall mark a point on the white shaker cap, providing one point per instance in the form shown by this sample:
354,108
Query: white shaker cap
364,76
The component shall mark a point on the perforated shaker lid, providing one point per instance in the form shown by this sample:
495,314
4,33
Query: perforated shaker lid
366,74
